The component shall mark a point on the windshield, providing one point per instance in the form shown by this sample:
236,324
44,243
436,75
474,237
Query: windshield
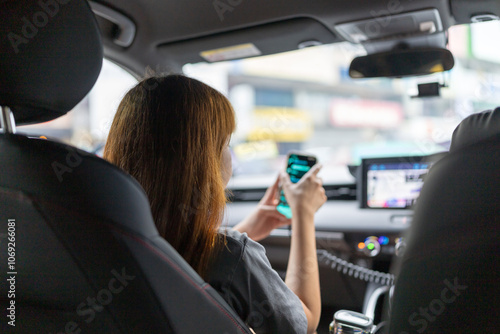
305,101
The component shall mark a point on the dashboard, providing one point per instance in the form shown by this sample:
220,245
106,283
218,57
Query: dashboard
343,221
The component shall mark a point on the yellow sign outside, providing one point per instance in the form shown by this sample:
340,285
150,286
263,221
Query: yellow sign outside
256,150
281,125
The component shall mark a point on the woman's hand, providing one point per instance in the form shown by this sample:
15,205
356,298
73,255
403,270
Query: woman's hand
307,195
265,218
302,276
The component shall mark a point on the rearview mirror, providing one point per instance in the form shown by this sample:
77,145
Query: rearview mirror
400,63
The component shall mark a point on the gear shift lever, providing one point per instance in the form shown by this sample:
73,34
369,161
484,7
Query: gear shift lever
349,322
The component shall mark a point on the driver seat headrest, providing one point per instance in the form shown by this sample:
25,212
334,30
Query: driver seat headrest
45,70
476,128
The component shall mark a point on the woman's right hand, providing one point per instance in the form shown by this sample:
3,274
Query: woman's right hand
302,276
307,195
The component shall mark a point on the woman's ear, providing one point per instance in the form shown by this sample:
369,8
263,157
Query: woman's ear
226,164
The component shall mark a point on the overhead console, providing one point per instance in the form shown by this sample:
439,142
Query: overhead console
393,183
401,25
471,11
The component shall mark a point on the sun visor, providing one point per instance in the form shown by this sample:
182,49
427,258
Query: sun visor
255,41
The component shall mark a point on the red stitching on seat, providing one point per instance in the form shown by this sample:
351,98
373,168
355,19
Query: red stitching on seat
178,269
155,250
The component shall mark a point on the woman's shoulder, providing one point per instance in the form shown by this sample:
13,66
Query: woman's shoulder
237,252
236,246
233,246
235,239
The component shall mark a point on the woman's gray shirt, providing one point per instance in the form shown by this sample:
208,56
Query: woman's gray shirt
245,279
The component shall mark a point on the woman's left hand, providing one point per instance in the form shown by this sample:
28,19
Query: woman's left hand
265,218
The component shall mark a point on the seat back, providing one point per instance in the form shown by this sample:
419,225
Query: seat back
77,240
448,277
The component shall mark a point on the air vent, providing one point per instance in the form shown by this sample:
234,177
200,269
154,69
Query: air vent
346,192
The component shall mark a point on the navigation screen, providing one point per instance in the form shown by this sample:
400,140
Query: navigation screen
395,185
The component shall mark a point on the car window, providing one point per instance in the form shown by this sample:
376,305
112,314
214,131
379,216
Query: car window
87,125
305,100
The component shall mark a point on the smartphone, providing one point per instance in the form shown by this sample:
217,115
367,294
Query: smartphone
297,166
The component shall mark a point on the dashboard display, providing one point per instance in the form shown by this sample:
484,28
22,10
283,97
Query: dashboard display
394,183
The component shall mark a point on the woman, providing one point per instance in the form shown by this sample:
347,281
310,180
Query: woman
172,134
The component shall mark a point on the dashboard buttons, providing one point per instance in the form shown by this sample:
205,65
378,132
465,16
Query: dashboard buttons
377,245
383,240
371,246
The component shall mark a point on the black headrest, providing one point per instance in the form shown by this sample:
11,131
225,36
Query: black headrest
476,128
50,57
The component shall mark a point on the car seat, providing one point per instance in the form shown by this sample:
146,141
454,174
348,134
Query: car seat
79,251
448,276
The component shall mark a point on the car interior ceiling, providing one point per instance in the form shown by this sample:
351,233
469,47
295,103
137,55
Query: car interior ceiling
165,44
146,37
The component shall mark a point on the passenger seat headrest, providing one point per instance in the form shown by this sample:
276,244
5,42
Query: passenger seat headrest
50,57
476,128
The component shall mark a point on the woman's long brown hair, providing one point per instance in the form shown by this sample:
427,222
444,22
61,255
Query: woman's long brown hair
169,133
